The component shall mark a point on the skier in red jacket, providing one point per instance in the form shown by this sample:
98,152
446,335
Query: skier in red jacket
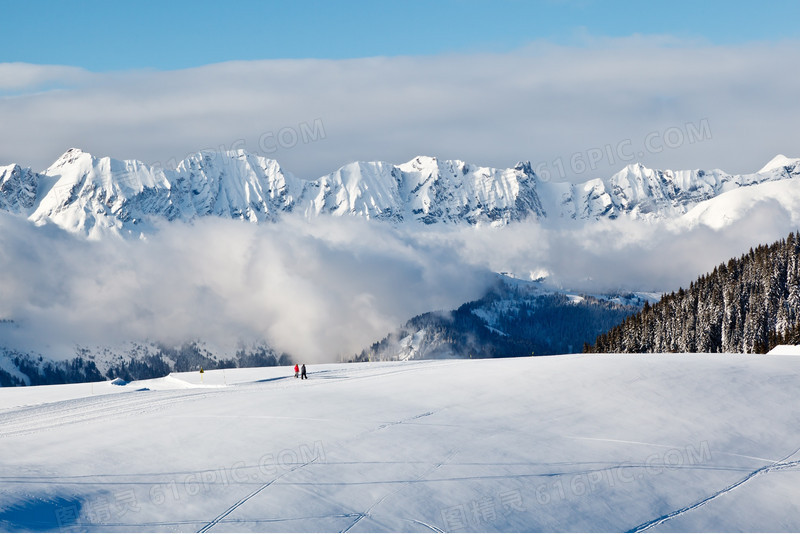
296,370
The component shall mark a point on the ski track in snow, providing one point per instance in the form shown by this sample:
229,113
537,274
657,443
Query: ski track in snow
775,466
211,524
30,420
370,374
404,421
377,503
328,376
433,528
663,446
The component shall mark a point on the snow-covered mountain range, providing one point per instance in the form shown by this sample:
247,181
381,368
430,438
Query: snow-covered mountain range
94,196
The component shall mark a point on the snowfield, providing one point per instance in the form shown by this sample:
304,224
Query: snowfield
671,442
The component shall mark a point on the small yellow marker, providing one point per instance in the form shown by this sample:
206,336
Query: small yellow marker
201,375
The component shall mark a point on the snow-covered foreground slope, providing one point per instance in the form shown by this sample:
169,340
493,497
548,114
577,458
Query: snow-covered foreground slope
571,443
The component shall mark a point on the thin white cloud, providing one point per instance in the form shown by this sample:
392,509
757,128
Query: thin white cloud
29,78
544,103
611,256
328,287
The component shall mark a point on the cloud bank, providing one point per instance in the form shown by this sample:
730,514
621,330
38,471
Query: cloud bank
325,288
317,291
543,103
616,256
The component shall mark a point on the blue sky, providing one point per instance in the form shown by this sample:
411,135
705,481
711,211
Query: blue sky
165,35
487,82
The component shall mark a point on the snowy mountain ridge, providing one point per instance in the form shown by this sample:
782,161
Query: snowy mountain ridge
514,318
93,196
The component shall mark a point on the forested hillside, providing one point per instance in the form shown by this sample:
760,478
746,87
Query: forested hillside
749,304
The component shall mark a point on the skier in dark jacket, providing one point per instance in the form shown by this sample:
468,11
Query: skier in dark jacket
303,372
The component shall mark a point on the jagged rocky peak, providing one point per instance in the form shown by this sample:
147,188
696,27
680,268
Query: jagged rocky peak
524,167
421,162
779,162
70,157
18,188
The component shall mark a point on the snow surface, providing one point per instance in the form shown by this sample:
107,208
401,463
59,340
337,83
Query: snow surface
738,204
786,350
668,442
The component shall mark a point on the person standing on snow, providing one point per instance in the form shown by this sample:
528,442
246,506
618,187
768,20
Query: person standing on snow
303,372
296,371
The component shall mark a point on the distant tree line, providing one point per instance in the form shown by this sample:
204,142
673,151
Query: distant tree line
747,305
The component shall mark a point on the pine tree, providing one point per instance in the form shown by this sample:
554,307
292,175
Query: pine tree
748,304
